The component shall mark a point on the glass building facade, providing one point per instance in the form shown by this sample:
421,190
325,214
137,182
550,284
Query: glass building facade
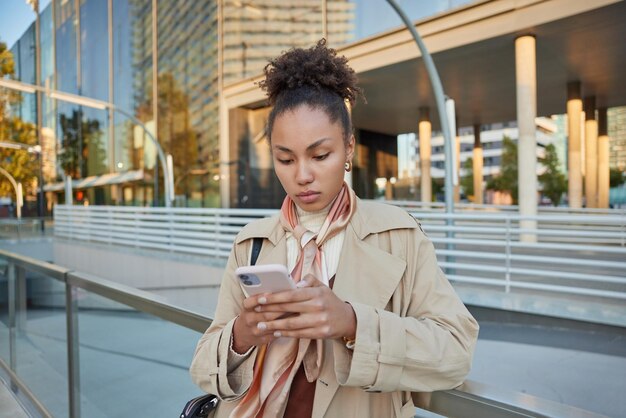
166,63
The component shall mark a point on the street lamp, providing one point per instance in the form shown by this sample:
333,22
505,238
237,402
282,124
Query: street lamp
19,200
31,149
440,99
446,119
168,172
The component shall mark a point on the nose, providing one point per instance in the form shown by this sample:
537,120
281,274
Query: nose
304,173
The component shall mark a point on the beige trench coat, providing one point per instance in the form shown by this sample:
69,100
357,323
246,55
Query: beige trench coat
413,332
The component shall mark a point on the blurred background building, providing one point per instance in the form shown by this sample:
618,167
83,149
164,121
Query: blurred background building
186,70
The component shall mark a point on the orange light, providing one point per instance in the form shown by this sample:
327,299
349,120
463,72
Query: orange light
79,195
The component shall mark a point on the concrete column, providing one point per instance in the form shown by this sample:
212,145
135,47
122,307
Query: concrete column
574,174
526,88
591,153
603,159
477,167
424,135
457,161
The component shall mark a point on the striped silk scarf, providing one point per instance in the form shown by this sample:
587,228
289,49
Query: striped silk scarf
277,363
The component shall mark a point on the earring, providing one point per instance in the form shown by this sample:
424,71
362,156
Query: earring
348,166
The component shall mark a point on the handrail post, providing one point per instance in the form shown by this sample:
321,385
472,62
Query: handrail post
170,230
73,360
110,214
12,290
20,299
623,228
217,234
507,260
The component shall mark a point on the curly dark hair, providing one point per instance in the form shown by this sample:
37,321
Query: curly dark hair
316,77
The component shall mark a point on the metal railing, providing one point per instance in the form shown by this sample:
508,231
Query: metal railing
24,228
570,254
471,399
475,207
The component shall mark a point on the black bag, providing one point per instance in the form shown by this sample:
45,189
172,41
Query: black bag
202,406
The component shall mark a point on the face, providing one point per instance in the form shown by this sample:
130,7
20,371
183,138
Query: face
310,154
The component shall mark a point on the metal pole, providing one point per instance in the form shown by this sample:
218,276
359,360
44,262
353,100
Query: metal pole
41,205
73,358
12,294
18,190
441,107
162,158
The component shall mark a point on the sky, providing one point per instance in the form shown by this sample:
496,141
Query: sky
15,17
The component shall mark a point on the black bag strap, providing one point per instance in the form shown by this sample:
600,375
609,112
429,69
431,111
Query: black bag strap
256,250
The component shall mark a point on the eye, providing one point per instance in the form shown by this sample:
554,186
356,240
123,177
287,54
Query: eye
321,157
285,162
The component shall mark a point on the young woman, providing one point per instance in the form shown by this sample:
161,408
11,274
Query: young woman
373,319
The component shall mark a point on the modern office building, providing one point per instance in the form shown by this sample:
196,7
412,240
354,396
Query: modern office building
187,70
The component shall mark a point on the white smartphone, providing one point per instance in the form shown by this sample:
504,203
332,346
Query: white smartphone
267,278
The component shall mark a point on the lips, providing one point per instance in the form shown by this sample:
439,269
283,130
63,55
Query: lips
308,197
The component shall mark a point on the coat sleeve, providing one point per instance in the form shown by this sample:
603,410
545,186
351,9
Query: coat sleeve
427,346
214,368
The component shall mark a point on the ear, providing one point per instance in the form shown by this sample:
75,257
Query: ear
350,146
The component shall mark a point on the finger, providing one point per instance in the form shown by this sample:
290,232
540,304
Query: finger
298,322
293,296
254,300
309,305
252,319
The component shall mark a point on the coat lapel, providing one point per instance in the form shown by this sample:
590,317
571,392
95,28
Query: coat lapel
366,274
274,253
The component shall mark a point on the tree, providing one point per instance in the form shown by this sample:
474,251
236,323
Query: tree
20,164
467,181
552,180
507,180
81,143
616,177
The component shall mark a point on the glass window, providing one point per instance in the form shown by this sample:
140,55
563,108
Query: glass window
353,20
24,58
255,31
65,21
187,98
94,49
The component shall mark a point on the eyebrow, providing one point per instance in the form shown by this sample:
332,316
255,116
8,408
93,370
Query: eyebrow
310,147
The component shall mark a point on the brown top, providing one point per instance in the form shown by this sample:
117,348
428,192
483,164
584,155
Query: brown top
302,392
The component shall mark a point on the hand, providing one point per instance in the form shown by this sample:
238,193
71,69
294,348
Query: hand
320,313
246,333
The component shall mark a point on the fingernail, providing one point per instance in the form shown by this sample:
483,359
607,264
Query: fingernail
262,300
278,334
301,284
257,308
261,326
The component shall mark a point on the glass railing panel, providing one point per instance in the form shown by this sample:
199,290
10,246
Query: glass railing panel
131,361
4,311
41,348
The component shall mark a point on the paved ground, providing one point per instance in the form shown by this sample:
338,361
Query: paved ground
9,407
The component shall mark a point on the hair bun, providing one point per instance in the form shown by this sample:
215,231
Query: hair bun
318,67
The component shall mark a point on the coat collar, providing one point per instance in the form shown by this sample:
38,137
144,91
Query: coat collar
370,218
